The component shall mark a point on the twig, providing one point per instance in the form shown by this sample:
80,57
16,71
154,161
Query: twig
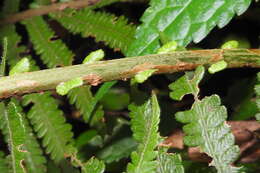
47,9
125,68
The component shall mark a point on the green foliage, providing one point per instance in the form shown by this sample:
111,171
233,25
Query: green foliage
64,87
206,126
232,44
53,52
115,99
257,90
182,21
218,66
103,26
93,166
22,66
169,163
187,84
117,150
144,124
142,76
49,123
105,136
87,104
4,56
168,47
26,155
94,56
3,163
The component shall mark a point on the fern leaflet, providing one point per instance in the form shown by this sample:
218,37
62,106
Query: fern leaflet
144,121
206,125
103,26
3,163
26,155
93,165
49,124
182,21
82,98
257,90
53,53
169,163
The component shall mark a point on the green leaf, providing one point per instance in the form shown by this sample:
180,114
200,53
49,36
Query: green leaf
117,150
22,66
93,166
49,123
142,76
114,31
115,99
232,44
64,87
168,47
26,154
144,124
169,163
86,103
94,56
187,85
257,90
206,128
182,21
218,66
3,163
4,56
53,52
84,138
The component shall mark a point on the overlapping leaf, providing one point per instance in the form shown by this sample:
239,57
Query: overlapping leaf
53,52
144,124
49,123
103,26
26,154
93,166
169,163
206,126
182,21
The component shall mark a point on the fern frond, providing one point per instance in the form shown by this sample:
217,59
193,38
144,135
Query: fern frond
26,155
49,123
53,53
93,165
3,163
182,21
82,98
103,26
144,124
169,163
257,90
206,125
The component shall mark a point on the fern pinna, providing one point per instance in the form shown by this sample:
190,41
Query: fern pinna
26,154
206,126
103,26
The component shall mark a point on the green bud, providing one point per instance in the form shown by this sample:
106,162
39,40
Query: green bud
233,44
94,56
64,87
218,66
22,66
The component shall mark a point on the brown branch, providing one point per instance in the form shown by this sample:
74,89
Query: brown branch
47,9
125,68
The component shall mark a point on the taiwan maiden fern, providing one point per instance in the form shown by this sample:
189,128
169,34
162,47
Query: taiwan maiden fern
119,126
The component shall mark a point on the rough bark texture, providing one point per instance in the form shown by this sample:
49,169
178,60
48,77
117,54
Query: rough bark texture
122,69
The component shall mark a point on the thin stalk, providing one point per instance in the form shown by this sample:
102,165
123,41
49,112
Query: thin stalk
122,69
